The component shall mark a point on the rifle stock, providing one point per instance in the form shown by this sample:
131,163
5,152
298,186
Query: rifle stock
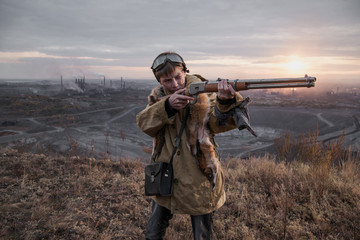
240,85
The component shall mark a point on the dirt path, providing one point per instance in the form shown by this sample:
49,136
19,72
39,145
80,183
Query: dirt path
336,135
321,118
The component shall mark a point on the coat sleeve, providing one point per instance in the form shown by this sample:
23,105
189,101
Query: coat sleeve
216,125
153,118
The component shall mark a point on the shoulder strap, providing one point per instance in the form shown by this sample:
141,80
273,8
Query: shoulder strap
178,138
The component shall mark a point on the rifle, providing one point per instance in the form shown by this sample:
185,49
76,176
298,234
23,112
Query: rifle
240,85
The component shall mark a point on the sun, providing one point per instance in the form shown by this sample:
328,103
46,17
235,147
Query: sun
296,66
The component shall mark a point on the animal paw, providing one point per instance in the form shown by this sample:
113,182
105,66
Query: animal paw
212,179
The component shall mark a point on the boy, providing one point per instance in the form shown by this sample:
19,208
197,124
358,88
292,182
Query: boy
192,191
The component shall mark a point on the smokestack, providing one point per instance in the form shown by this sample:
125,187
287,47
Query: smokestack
83,84
104,80
62,85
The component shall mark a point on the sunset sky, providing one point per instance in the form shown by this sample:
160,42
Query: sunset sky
229,39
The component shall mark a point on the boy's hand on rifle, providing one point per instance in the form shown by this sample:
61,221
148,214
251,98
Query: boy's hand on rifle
225,90
178,100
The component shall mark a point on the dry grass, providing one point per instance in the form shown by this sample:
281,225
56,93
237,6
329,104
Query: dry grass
269,200
321,158
72,197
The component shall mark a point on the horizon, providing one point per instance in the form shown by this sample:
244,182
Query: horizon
320,86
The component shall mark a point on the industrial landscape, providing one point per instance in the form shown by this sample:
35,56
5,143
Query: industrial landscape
73,159
97,117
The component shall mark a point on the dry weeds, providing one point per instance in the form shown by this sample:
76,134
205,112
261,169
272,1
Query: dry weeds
73,197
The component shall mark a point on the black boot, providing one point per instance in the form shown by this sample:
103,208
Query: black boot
202,226
158,222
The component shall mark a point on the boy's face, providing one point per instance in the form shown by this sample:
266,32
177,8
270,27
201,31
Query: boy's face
173,81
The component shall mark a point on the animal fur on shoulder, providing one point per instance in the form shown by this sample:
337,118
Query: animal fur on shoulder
199,141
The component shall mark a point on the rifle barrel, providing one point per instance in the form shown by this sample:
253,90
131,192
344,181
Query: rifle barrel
277,83
280,85
278,80
239,85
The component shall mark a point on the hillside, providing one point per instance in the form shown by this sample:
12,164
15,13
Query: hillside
73,197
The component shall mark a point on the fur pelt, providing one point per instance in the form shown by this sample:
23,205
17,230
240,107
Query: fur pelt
200,138
199,141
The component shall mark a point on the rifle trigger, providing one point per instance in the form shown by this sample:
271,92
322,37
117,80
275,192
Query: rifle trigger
195,100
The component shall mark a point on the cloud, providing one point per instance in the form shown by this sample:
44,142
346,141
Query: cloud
130,33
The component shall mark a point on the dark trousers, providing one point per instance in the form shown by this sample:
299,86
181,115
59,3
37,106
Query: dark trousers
159,221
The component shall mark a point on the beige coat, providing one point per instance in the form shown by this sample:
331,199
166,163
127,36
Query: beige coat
192,192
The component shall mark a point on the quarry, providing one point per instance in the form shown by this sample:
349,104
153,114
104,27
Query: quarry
98,118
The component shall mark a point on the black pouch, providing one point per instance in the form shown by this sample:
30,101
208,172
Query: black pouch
158,179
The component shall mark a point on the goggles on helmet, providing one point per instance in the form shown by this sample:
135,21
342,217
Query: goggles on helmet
161,60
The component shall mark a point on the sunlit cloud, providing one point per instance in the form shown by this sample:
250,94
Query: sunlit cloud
223,61
276,66
17,57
